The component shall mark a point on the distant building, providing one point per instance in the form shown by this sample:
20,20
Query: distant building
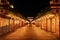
4,5
55,6
30,18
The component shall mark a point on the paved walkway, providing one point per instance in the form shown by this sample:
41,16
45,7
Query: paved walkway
29,33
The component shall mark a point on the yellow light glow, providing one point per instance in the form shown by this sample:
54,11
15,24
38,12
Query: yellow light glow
8,15
51,2
17,21
49,15
11,6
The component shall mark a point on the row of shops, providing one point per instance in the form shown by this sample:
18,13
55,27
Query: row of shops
50,23
10,24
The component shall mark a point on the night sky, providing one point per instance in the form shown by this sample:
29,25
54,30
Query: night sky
29,7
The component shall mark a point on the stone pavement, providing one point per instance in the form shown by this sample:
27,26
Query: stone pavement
29,33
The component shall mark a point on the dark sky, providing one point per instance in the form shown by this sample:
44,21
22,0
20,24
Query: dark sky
29,7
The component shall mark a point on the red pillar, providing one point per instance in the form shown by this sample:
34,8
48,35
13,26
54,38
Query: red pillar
46,24
22,23
13,25
0,22
13,22
19,23
38,23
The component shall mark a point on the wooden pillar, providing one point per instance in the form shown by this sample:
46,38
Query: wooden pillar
55,23
19,24
9,22
41,24
51,24
8,26
59,25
